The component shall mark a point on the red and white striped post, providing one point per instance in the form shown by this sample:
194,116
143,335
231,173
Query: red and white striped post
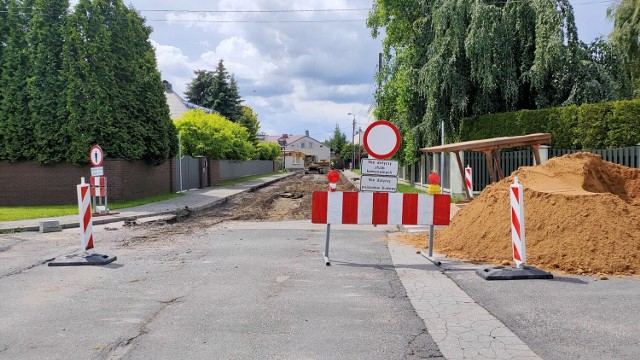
84,210
517,223
468,180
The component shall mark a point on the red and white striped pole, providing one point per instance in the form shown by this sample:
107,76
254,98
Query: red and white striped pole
517,223
468,180
84,210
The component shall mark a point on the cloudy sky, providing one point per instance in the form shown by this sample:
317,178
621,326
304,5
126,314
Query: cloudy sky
298,69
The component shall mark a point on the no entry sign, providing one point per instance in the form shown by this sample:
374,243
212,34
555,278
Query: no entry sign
96,156
381,139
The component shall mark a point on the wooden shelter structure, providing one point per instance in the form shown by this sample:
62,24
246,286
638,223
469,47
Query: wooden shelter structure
490,148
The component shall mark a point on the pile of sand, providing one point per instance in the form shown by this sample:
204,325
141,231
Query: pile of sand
582,216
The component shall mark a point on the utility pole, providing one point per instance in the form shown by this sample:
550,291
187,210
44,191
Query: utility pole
353,145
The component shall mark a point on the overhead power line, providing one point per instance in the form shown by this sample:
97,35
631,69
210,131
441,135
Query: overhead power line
252,11
256,21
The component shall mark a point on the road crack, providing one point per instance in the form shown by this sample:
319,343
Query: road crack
20,271
120,349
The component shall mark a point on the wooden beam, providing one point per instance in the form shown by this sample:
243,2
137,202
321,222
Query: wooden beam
493,144
496,158
536,153
492,174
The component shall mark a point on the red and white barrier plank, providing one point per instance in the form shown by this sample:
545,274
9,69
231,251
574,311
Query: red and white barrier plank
367,208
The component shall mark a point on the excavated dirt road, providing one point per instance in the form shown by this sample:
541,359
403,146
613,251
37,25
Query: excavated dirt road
288,199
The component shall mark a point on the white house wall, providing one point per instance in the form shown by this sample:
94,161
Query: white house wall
317,148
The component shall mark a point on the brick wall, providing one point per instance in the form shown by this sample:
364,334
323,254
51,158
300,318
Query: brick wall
28,183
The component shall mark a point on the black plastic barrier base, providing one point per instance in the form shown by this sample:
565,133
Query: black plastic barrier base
513,273
82,259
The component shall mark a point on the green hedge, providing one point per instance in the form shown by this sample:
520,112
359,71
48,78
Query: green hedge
588,126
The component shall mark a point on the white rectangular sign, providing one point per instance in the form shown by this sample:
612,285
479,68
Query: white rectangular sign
379,167
97,171
378,183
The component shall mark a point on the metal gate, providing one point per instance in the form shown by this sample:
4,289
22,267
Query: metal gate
188,173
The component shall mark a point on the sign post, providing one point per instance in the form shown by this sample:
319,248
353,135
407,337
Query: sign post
98,181
381,140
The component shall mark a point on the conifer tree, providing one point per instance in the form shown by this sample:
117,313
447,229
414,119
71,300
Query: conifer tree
4,30
4,34
249,120
15,117
128,46
154,125
235,101
218,96
198,89
48,111
88,106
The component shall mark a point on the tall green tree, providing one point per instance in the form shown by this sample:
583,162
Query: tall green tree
216,90
198,89
4,29
141,123
626,36
219,93
448,59
114,92
249,120
4,34
235,101
90,78
337,141
15,117
46,82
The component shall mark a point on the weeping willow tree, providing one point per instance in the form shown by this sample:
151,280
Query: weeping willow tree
625,15
449,59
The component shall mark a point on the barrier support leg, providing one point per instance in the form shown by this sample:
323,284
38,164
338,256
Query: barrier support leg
326,246
429,255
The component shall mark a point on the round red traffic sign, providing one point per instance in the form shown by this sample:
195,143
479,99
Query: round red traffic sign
96,156
333,176
381,139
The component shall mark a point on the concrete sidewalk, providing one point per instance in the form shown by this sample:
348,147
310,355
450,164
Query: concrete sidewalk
193,200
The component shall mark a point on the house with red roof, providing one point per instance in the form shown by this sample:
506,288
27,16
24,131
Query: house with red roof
293,146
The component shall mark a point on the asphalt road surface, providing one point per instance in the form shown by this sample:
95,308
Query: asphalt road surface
236,290
569,317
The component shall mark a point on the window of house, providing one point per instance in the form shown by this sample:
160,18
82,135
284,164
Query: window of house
302,145
297,160
310,145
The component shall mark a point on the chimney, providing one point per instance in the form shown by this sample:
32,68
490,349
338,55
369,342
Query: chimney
306,133
167,86
284,136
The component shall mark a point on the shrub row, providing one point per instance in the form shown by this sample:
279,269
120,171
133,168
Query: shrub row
588,126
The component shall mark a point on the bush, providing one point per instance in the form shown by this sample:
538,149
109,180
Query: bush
212,135
588,126
267,151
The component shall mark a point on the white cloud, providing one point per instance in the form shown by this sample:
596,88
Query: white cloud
296,75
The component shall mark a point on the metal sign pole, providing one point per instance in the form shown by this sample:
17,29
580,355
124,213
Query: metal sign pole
106,208
430,240
326,246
